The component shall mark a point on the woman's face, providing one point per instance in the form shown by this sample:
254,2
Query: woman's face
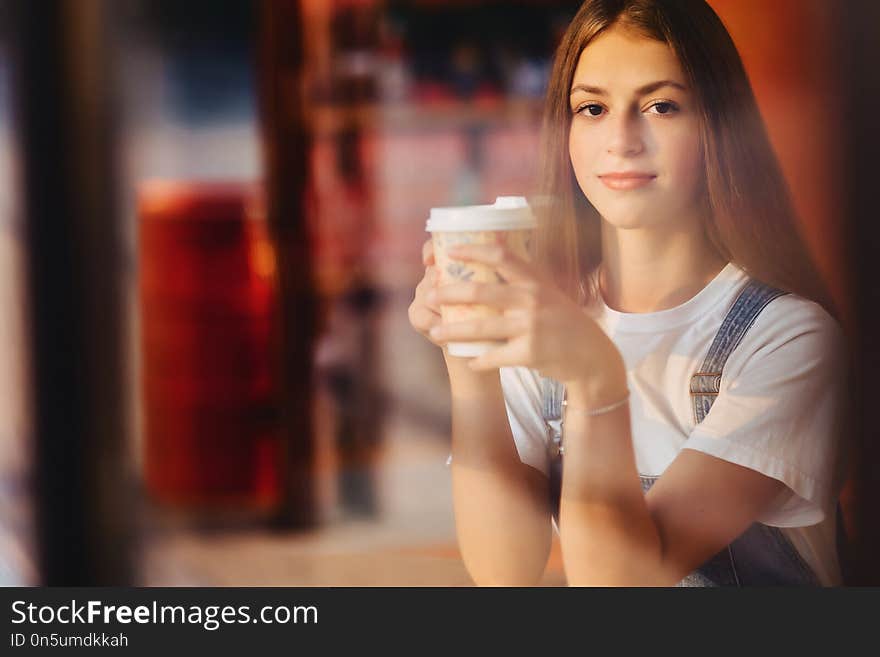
633,115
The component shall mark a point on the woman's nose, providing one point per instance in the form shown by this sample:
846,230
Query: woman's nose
625,138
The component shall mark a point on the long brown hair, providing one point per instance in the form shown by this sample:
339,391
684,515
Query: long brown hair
750,219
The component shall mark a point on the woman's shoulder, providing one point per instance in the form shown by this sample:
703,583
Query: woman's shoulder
792,313
795,324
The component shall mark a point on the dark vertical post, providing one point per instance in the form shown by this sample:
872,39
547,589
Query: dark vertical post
286,147
65,122
860,50
356,380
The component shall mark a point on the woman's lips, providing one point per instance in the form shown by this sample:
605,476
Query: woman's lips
622,181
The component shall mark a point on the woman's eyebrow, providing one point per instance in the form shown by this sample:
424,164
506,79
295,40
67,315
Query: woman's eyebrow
641,91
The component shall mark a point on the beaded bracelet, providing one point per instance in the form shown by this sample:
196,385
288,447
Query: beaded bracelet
597,411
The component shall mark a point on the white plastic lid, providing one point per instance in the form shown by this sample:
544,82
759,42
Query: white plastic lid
507,213
511,202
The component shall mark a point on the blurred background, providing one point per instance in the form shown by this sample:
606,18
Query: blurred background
211,219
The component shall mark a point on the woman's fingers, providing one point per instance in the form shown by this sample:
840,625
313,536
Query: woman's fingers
510,266
497,295
483,328
424,288
428,253
424,314
509,354
423,318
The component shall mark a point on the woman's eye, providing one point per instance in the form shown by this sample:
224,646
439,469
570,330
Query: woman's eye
664,107
591,108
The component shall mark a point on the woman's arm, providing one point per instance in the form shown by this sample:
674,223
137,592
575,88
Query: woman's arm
502,514
613,534
501,505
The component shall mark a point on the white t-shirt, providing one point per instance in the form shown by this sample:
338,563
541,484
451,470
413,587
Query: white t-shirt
777,412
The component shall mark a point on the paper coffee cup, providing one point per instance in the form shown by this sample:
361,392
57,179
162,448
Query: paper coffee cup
509,222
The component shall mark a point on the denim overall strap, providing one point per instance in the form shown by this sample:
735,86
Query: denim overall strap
552,394
706,383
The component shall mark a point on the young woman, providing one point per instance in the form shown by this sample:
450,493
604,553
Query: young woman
673,305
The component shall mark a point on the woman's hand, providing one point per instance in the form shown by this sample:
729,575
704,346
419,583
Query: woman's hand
544,329
424,315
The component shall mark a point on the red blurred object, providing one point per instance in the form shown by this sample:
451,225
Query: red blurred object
207,295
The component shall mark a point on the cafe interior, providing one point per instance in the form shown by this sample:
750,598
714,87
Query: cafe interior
211,228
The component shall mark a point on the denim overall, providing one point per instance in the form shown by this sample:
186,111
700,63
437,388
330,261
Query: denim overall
762,555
